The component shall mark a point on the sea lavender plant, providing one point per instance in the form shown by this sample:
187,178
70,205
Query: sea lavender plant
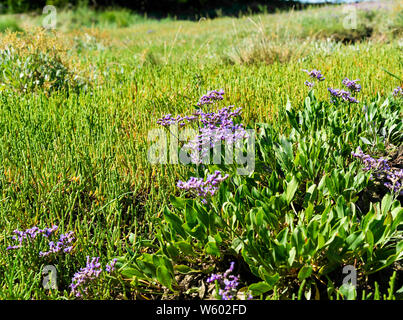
214,127
211,97
316,74
352,85
168,120
227,283
63,245
338,94
203,188
395,183
309,84
85,276
377,165
398,92
110,267
26,237
381,169
210,137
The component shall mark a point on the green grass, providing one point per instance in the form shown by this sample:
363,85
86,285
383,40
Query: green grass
78,159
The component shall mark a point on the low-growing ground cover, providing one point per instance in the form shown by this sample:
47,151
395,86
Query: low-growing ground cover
78,191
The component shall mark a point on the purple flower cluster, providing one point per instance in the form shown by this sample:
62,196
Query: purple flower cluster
110,267
92,271
352,85
395,183
228,283
339,94
315,74
203,188
64,244
398,92
30,234
168,120
378,165
211,97
309,84
222,117
342,94
381,168
215,128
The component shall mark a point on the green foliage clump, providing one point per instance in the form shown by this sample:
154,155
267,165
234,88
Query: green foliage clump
28,73
27,64
298,218
9,24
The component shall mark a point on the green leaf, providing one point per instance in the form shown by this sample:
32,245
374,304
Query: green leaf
386,203
365,140
202,216
177,202
174,221
369,238
181,268
130,273
292,255
291,116
172,250
270,279
304,273
259,288
237,245
199,232
321,241
292,187
185,247
355,240
212,248
190,216
164,276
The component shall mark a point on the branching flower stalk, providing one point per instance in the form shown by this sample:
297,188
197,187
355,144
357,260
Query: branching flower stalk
381,169
226,284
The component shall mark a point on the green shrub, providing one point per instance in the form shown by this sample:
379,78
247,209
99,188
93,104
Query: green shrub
120,19
38,70
296,219
29,62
